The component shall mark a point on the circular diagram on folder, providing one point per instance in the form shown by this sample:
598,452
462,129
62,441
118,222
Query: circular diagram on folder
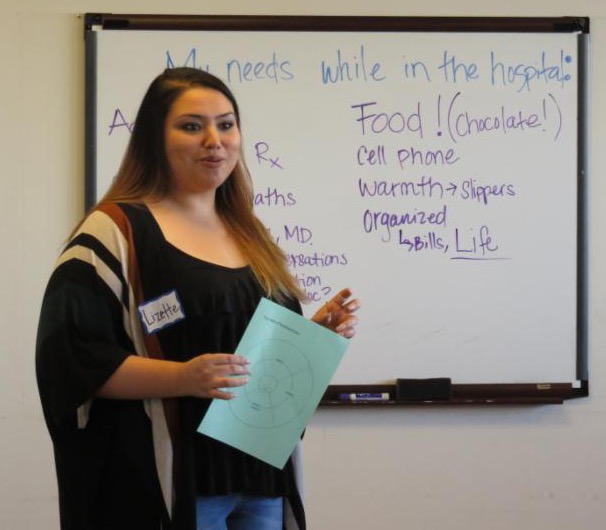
280,386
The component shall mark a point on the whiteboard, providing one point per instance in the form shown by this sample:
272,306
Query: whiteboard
435,173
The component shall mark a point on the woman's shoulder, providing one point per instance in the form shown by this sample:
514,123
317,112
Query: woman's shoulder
114,215
113,226
118,211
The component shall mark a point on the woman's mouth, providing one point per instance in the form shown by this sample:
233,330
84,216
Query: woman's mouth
212,160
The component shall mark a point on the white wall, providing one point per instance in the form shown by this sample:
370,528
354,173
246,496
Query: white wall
527,468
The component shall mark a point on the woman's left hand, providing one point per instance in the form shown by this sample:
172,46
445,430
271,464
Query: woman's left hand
338,314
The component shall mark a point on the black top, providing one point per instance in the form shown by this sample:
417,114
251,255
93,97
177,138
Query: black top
218,303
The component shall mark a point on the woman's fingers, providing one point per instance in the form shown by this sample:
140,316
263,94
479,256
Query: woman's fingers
228,382
337,313
211,372
238,365
342,301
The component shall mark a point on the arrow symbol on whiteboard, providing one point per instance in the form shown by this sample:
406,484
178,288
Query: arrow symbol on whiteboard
452,188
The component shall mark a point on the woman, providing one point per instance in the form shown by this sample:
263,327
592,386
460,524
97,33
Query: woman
140,321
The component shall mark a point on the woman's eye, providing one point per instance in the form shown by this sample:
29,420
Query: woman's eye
226,125
190,127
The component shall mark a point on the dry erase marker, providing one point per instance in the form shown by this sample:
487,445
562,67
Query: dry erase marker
365,396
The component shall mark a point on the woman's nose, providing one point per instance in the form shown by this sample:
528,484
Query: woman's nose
211,138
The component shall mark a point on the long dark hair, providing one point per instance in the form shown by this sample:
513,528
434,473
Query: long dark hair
144,172
144,176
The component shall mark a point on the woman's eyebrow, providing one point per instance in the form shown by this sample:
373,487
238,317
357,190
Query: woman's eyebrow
205,117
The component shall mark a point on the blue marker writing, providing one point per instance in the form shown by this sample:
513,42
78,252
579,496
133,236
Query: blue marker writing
365,396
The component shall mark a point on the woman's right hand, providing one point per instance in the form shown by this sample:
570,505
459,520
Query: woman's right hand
209,374
203,376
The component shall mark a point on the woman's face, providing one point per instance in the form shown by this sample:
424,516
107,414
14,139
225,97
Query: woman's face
202,140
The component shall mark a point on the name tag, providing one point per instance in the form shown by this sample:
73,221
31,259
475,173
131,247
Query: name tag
161,312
